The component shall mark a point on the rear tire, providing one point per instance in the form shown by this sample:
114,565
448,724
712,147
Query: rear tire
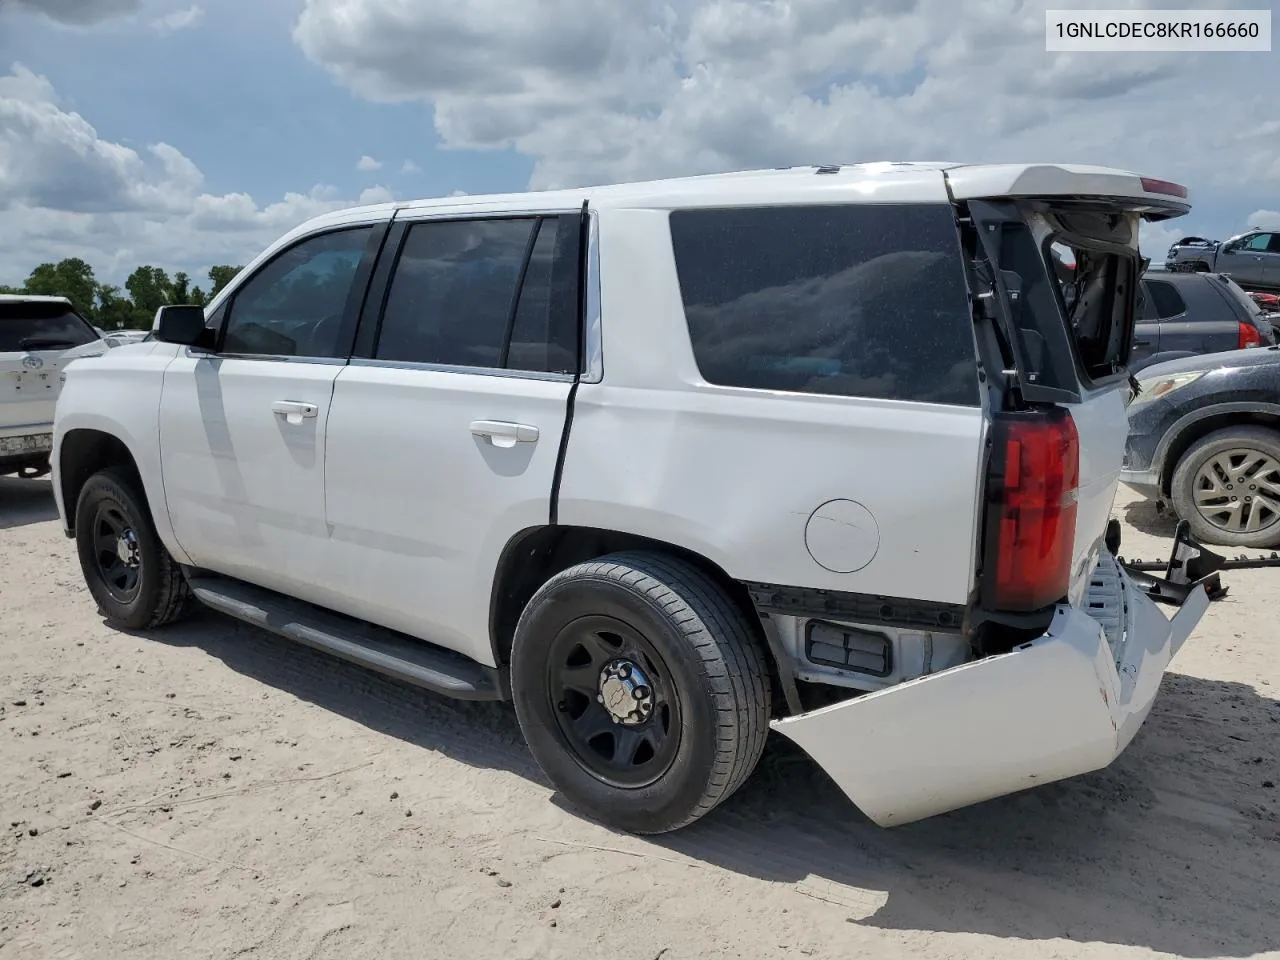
680,664
1208,492
131,575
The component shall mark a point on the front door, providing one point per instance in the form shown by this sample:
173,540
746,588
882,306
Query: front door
444,437
1247,262
242,429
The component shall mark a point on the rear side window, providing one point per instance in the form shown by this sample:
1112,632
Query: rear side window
28,326
1166,300
485,293
863,300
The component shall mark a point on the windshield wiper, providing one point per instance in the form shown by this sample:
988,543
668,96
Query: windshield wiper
45,343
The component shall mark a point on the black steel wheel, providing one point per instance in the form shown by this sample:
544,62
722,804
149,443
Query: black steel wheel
614,701
131,575
642,690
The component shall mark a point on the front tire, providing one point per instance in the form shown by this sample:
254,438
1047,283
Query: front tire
131,575
641,690
1227,487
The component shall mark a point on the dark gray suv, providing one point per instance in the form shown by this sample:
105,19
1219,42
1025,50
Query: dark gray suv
1189,314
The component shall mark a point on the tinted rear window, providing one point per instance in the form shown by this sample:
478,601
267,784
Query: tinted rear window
865,300
41,326
1165,299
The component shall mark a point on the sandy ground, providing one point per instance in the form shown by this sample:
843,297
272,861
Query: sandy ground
211,791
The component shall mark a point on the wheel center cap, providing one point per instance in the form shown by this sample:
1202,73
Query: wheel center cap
127,548
625,692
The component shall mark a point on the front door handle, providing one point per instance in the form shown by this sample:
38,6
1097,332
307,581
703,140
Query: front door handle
503,434
294,411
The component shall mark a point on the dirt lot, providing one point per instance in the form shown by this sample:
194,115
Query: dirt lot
210,791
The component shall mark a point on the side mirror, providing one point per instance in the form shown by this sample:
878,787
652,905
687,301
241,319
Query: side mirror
183,324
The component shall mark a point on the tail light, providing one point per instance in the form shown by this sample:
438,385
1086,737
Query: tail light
1249,336
1152,185
1031,510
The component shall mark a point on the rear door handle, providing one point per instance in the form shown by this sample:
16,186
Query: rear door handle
294,411
503,434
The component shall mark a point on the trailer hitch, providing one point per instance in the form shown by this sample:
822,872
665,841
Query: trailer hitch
1190,565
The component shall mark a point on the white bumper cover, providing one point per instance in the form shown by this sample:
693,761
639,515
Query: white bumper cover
1061,705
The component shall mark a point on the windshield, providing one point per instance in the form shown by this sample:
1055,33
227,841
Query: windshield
27,326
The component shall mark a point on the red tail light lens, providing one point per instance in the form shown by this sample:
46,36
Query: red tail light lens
1031,513
1249,336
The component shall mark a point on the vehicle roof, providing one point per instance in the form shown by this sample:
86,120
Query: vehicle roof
878,182
31,298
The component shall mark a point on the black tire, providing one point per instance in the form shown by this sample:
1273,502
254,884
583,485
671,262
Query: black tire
1187,478
709,680
139,592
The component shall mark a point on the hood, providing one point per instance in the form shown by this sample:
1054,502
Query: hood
1230,359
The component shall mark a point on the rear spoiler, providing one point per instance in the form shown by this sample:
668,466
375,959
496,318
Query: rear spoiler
1152,198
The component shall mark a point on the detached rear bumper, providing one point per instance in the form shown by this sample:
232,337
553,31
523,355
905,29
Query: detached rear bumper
1061,705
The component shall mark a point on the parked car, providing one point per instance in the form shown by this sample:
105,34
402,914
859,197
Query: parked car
1187,314
1267,302
1252,259
1204,436
38,335
669,464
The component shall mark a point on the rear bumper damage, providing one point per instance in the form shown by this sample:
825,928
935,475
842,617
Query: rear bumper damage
1061,705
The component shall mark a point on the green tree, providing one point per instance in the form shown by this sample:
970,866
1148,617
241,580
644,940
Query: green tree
220,276
71,278
114,311
150,289
7,289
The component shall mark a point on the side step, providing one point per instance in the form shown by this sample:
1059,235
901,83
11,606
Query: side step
372,647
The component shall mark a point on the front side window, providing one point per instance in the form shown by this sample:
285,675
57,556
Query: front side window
1258,242
489,294
859,300
297,305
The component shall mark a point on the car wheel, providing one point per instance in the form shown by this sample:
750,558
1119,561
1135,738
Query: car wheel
641,689
1227,487
131,575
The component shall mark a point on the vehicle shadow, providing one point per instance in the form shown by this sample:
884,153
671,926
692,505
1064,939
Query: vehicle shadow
24,502
1143,516
1175,847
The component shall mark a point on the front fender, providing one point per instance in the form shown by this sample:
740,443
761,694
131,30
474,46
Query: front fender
118,394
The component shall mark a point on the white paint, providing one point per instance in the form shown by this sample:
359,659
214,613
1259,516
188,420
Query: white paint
842,536
1054,708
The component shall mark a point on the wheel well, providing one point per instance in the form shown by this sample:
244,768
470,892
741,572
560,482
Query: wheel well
82,454
534,556
1201,429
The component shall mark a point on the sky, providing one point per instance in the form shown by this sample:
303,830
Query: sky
185,134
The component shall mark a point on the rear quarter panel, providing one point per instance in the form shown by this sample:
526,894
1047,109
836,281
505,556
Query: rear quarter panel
119,394
739,476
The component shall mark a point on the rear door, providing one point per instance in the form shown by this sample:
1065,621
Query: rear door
35,337
1194,318
446,427
1146,334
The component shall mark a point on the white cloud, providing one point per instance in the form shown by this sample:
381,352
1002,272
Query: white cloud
1265,219
595,90
410,167
367,164
179,19
65,191
74,12
378,194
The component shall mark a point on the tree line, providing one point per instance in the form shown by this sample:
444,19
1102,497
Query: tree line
145,291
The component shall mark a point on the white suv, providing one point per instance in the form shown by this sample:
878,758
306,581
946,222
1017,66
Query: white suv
829,450
38,336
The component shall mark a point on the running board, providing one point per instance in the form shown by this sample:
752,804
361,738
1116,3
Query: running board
372,647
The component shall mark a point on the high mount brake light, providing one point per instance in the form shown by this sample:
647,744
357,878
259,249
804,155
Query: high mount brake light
1032,490
1167,187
